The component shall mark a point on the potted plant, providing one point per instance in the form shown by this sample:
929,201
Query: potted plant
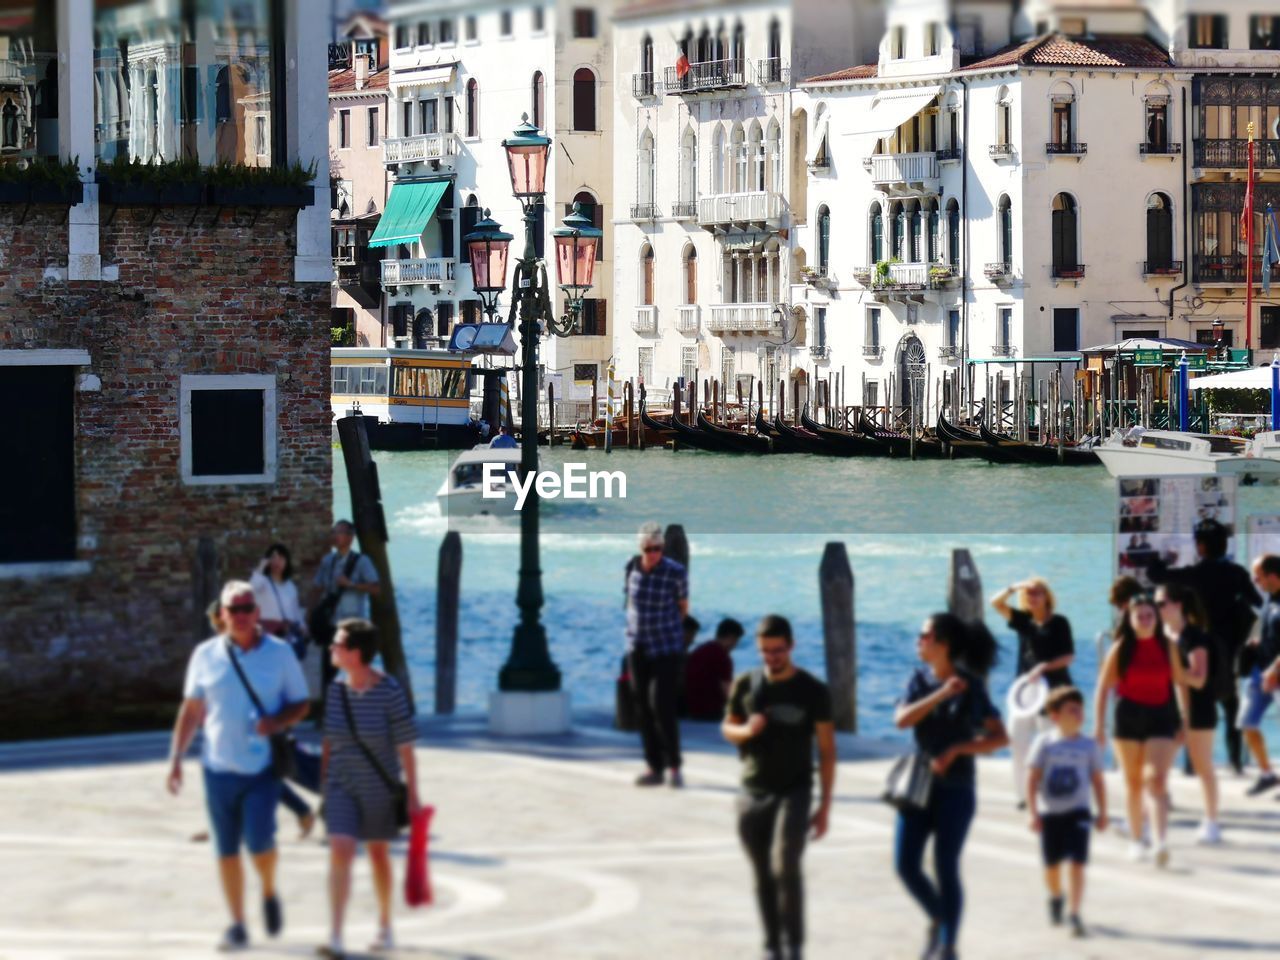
236,185
42,180
132,183
808,274
883,277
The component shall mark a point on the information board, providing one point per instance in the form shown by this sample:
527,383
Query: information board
1157,519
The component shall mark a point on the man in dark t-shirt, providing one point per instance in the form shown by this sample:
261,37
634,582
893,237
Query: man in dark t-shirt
775,717
708,673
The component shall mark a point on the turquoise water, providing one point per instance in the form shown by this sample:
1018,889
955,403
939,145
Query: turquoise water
757,527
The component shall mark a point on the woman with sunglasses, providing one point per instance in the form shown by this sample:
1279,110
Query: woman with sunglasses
1045,649
1142,667
1184,621
947,708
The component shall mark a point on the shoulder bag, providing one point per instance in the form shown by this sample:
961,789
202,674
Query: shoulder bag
909,786
321,620
399,792
283,761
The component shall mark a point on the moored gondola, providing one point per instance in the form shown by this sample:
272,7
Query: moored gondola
963,443
899,443
734,440
1037,453
788,439
851,444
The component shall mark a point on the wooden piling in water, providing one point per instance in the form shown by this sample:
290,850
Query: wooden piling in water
448,596
640,425
630,403
676,544
839,637
551,416
964,587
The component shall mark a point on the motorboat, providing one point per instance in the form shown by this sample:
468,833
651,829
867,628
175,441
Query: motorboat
1154,453
462,493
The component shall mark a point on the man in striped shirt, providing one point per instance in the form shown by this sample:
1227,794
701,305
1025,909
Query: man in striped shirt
657,591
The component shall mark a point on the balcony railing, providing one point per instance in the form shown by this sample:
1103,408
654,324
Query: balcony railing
642,85
404,272
687,319
1159,149
872,350
1001,151
645,319
771,71
948,155
1234,154
1161,268
904,167
998,271
902,278
742,317
1067,271
1066,149
1004,350
644,211
712,75
819,351
1229,269
439,147
948,352
725,208
684,209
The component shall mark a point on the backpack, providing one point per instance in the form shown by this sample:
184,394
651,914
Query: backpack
320,622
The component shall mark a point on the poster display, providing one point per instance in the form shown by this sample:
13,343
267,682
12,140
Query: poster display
1157,519
1264,535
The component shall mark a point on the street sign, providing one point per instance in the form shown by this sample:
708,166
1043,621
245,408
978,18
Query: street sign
1148,358
1198,362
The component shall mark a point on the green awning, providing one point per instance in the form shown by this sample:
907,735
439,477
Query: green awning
409,210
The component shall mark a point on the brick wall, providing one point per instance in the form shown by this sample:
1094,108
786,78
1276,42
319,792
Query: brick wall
214,296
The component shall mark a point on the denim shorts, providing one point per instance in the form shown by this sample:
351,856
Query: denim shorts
242,807
1255,702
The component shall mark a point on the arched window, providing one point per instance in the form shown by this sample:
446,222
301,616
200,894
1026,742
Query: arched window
1004,118
722,43
646,275
738,148
773,156
1062,129
915,253
473,108
706,52
584,99
1159,234
9,126
468,216
688,167
423,327
718,162
646,56
1005,240
755,154
738,53
824,239
538,98
775,39
933,242
899,251
593,209
644,174
953,233
877,234
1066,251
690,274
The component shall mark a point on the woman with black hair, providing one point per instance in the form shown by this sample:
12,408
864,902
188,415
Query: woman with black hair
277,597
947,707
1142,666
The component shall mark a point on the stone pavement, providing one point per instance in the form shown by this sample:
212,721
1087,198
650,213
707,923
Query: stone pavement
544,849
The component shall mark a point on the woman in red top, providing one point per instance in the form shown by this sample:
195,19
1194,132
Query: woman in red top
1142,667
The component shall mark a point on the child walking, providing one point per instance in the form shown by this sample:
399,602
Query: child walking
1064,764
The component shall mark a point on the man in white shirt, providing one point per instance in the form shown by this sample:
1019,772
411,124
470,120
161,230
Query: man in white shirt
241,788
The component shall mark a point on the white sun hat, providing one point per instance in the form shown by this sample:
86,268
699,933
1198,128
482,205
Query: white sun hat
1027,696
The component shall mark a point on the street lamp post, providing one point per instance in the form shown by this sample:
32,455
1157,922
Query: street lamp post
529,668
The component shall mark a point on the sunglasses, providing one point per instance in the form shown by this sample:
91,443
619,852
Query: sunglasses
652,549
241,609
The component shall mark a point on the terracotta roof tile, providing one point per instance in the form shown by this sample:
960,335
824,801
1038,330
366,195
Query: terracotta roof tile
344,81
1056,50
864,72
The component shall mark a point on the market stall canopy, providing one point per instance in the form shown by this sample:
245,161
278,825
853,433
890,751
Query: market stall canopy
409,210
890,110
1133,344
1255,378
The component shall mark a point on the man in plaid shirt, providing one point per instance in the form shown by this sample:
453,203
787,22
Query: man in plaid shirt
657,590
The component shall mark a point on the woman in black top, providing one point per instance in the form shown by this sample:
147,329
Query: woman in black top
1184,620
947,707
1045,649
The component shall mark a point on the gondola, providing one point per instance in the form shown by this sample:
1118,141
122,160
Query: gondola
850,444
791,440
733,440
967,444
1043,454
899,443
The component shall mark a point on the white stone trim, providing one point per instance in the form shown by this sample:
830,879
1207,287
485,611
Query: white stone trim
45,569
44,358
241,381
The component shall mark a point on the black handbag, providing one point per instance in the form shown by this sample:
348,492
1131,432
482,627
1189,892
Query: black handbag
399,792
909,786
283,757
320,620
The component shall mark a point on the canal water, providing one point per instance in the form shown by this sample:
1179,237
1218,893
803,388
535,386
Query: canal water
757,527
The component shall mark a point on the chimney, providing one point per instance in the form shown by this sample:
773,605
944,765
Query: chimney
362,70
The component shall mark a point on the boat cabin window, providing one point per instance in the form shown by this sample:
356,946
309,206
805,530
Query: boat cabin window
449,383
468,474
1164,443
1225,444
362,380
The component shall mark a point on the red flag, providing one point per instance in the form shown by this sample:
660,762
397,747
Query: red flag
1246,215
682,66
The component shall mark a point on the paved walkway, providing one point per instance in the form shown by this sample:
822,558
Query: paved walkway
544,849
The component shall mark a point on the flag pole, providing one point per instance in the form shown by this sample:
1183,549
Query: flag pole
1248,243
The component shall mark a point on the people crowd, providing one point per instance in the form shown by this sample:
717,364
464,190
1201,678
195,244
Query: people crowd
1202,649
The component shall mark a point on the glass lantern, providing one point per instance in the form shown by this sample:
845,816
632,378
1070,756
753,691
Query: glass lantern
527,153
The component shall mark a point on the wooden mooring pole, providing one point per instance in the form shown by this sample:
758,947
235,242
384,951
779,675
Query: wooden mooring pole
964,587
839,637
448,594
676,544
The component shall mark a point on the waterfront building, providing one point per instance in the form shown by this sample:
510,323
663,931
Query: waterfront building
462,75
710,157
358,106
163,356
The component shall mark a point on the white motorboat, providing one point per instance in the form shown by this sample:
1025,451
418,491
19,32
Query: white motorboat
1154,453
462,493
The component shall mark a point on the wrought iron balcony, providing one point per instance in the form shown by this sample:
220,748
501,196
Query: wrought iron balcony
1161,268
644,211
742,318
948,352
702,77
819,351
1066,149
998,272
1067,271
642,85
1234,154
949,155
1001,151
645,319
684,209
1160,149
872,351
1226,270
1004,350
441,148
435,270
771,72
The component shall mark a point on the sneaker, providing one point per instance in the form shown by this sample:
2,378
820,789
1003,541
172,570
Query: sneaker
1055,910
1265,782
1077,925
332,950
1137,852
384,942
1022,805
931,942
677,779
1162,855
1209,834
272,915
234,939
651,779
